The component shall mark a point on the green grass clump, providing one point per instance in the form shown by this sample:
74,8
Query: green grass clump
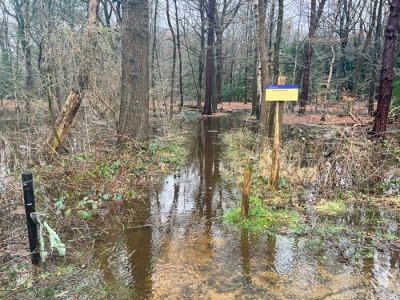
168,152
263,217
333,208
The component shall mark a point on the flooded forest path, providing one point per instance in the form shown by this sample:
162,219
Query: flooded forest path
185,250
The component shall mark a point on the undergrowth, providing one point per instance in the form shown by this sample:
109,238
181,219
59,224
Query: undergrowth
84,194
90,184
263,218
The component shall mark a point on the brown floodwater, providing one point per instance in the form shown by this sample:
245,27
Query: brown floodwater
187,251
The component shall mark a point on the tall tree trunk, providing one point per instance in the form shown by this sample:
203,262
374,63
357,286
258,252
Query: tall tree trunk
249,40
28,53
268,39
214,85
153,56
222,20
202,51
308,51
178,44
387,71
264,68
207,110
278,37
255,103
375,58
93,14
360,59
328,84
134,112
344,31
219,59
189,51
107,13
171,106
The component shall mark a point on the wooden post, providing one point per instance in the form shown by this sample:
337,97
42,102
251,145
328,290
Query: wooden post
29,200
274,178
247,186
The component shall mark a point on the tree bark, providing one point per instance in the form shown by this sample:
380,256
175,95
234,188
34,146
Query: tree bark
308,51
65,120
255,102
375,58
134,112
248,168
207,110
264,69
171,107
278,37
222,22
214,86
93,13
219,61
153,56
28,53
202,51
387,71
178,44
360,59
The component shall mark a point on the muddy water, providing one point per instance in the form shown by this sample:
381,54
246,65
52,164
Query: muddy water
186,251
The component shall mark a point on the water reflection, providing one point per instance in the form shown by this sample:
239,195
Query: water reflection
189,253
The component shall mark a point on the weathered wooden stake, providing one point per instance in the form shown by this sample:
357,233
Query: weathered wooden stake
65,120
247,186
29,200
274,178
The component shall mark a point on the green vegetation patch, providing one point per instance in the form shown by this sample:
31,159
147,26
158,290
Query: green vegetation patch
332,207
263,217
168,152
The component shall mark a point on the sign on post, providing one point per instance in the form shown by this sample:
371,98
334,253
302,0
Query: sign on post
280,93
286,92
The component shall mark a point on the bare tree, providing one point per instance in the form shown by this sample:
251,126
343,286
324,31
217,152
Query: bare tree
178,44
375,57
223,19
361,56
308,51
172,86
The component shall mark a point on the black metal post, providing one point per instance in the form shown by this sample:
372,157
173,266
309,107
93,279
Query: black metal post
29,200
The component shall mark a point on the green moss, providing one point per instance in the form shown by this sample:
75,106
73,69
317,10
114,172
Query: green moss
263,218
334,207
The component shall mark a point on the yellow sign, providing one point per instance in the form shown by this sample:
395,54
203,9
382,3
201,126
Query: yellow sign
288,92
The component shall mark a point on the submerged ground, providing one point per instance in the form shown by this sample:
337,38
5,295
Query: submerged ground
329,232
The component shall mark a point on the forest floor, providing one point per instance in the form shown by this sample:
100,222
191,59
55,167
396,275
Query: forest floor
334,115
